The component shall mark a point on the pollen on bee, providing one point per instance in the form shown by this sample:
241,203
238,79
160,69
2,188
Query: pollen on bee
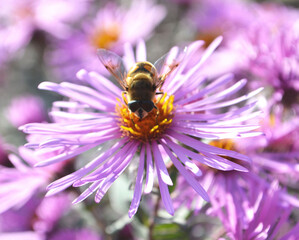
152,126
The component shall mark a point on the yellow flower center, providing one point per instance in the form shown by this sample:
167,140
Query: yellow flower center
227,144
152,126
208,36
105,37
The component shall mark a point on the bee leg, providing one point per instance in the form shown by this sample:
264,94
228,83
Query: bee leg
162,93
132,120
123,96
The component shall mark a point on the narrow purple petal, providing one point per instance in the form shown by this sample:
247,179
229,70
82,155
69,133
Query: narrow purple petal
80,116
189,164
129,58
164,193
73,127
99,82
90,190
116,172
86,139
106,169
160,165
215,97
194,106
224,93
149,182
101,186
211,162
65,155
68,180
211,128
69,105
206,135
222,160
208,89
185,85
138,186
141,51
214,117
207,53
18,163
199,146
96,101
189,178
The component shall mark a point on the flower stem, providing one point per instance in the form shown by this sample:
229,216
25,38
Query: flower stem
152,222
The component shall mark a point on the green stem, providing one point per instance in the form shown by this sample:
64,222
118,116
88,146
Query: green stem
152,222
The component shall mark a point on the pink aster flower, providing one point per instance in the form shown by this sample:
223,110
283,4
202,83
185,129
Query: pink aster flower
111,27
247,206
19,220
37,218
276,153
211,18
50,211
267,215
20,18
13,194
190,108
269,48
26,109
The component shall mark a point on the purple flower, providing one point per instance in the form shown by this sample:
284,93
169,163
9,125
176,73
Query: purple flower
246,204
50,211
13,194
189,109
266,213
269,48
26,109
20,219
19,19
38,214
211,18
220,17
275,154
111,27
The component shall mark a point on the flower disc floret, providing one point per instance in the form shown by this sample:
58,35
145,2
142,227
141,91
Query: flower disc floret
152,126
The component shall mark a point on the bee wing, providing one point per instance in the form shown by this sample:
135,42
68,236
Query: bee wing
168,63
114,64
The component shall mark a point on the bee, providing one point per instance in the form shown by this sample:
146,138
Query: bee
143,81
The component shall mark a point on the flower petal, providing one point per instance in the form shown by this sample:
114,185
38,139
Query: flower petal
160,165
149,182
189,178
138,186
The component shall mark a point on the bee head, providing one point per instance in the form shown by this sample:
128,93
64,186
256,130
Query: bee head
141,108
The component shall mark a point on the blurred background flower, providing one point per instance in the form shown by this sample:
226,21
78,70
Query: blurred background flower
26,109
109,27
